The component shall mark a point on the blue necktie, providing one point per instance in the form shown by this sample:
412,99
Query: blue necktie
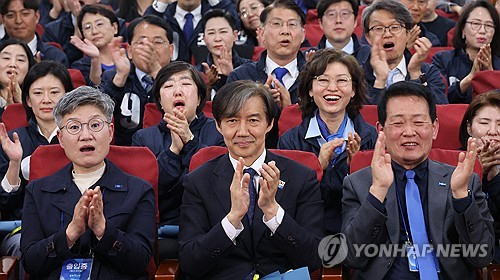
426,264
188,26
390,78
280,72
148,81
252,192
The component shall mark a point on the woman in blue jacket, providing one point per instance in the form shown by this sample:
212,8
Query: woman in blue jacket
476,43
331,93
179,93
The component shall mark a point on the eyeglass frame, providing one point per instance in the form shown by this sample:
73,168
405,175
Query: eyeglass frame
344,14
96,26
82,124
334,80
252,10
372,29
156,44
479,25
278,24
420,3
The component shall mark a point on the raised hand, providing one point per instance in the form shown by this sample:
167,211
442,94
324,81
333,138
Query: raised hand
96,220
121,61
211,73
145,57
326,151
259,35
381,169
484,58
178,123
353,146
225,62
489,156
422,47
85,46
378,61
414,33
78,224
465,166
13,149
240,199
14,89
310,54
281,94
268,182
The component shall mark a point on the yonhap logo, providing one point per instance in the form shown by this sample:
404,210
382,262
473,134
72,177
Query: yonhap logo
333,249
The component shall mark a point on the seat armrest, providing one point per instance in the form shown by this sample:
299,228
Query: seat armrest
168,269
332,273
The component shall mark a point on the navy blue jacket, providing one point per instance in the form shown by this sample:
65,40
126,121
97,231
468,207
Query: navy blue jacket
47,51
440,27
237,61
455,65
333,176
61,30
83,64
127,244
130,101
361,51
188,49
172,167
493,196
434,80
11,204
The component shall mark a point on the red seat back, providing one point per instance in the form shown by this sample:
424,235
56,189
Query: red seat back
484,81
152,116
207,110
432,52
306,158
291,116
77,77
363,159
312,16
450,116
451,34
14,116
313,33
369,114
257,50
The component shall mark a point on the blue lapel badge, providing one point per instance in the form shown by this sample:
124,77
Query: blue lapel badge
118,187
441,184
281,184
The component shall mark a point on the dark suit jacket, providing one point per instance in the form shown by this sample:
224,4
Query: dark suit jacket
207,253
364,224
127,244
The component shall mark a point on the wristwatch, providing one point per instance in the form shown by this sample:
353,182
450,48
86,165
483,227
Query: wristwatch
423,79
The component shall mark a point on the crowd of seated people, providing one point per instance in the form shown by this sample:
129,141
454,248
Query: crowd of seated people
181,54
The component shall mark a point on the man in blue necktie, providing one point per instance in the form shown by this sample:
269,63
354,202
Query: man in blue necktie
417,204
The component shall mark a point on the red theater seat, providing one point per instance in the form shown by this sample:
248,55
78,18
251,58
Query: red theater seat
484,81
14,116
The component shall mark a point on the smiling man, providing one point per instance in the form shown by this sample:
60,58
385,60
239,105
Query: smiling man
249,211
387,26
409,201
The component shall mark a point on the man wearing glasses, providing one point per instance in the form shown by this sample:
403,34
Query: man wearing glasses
337,19
130,83
278,67
417,9
387,26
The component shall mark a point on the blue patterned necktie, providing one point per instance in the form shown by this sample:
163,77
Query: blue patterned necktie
426,263
148,81
188,26
252,192
280,72
390,78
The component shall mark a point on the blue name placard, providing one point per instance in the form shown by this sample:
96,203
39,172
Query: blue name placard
76,269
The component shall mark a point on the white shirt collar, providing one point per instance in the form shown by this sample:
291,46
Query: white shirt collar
349,48
180,16
51,136
2,31
290,77
140,74
32,44
256,165
402,67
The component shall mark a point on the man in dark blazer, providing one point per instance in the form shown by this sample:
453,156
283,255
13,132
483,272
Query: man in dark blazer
377,209
232,226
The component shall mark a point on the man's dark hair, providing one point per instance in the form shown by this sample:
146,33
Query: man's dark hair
284,4
232,97
216,13
396,8
150,19
405,88
323,5
27,4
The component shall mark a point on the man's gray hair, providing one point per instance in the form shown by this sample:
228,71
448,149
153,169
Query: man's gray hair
81,96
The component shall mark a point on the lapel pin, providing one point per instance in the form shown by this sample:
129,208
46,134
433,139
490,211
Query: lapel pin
281,184
118,186
441,184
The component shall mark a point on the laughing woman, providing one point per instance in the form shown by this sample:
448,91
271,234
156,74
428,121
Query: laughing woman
43,86
331,93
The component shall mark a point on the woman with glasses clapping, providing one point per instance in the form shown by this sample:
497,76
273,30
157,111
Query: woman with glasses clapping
476,48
